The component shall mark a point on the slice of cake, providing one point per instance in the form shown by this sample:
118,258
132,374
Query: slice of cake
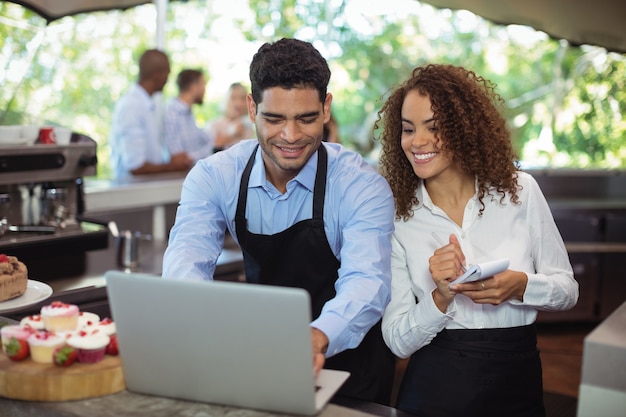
13,277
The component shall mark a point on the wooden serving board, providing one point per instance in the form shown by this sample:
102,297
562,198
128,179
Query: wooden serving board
32,381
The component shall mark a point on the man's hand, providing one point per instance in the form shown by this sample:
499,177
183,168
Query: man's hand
180,161
320,346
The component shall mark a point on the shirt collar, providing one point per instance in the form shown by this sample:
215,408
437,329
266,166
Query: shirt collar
423,198
181,105
141,92
306,176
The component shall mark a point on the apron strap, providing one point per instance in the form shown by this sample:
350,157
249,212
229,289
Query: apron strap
241,224
319,191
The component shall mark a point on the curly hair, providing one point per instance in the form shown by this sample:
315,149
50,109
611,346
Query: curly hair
469,126
288,63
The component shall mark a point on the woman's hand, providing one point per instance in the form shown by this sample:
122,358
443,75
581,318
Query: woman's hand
496,289
445,266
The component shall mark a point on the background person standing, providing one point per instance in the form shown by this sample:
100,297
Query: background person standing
135,138
234,124
182,134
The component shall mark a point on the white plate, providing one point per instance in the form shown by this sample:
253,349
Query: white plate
35,292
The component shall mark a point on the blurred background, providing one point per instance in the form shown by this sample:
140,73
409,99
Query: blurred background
565,102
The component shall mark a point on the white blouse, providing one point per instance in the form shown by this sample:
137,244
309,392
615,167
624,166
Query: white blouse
525,233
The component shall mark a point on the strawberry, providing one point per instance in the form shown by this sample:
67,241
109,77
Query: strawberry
4,258
17,349
64,356
112,348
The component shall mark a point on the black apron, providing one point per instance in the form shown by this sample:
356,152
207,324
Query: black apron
475,372
300,256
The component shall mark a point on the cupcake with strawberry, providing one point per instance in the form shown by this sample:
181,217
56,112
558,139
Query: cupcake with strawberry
42,345
15,341
90,346
108,327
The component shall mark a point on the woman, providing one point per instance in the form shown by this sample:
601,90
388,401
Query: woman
448,157
234,125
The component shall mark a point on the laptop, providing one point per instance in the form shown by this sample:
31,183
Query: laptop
235,344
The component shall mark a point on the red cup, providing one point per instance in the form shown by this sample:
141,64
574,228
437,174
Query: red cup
47,136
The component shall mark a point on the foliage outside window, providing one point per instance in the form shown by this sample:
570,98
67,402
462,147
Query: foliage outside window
565,104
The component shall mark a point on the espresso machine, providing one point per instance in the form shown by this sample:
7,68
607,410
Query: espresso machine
41,201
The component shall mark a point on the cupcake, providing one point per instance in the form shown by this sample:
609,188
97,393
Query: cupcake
66,334
35,322
90,347
13,330
42,345
59,316
107,326
86,318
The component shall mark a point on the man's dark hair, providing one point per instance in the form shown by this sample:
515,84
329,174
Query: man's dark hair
186,78
288,63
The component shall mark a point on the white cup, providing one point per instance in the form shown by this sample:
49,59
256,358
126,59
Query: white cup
63,135
30,132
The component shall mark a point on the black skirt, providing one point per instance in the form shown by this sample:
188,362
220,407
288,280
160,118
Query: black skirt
475,372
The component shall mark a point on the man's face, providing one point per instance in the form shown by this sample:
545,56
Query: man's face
199,88
161,77
289,126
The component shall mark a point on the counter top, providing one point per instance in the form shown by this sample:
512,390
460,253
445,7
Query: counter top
587,203
80,279
603,376
139,191
129,404
151,262
146,190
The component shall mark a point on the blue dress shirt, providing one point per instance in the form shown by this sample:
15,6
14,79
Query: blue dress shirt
134,138
182,134
358,220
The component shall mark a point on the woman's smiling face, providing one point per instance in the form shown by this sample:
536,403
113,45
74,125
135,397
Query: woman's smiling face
419,140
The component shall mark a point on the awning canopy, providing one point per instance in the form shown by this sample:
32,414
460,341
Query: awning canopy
593,22
597,22
54,9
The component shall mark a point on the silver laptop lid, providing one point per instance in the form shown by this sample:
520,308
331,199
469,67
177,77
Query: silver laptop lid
227,343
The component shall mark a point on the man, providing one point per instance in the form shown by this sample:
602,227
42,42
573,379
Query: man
305,214
182,135
135,141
